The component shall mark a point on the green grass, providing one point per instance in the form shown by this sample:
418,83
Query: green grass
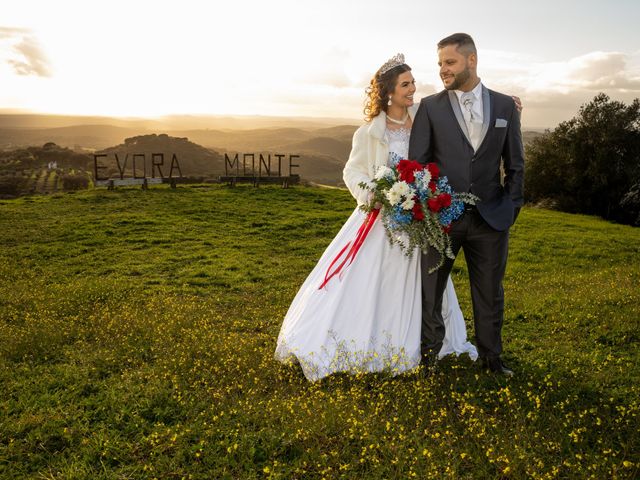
137,331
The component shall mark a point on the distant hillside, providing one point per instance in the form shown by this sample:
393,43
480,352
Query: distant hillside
35,121
46,169
99,136
169,122
322,169
39,157
102,136
247,141
343,133
197,160
78,137
193,158
337,149
323,149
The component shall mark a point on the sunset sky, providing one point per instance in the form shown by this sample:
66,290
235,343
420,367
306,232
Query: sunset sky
149,58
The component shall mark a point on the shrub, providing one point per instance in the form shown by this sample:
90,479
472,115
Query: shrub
12,185
75,182
590,163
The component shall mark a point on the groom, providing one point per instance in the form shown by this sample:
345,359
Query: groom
471,132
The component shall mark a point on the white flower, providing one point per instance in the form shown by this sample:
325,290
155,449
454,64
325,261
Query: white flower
408,204
393,196
402,188
383,171
398,191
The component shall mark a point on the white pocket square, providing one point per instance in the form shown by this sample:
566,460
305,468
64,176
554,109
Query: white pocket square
501,123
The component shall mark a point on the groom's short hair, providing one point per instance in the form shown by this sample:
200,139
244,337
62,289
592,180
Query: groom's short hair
463,42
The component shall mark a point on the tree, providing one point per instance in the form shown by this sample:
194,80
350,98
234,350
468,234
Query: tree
631,205
589,163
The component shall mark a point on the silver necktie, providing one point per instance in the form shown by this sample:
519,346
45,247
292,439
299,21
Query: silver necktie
468,99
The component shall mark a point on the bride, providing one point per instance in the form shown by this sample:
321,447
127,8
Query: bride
368,318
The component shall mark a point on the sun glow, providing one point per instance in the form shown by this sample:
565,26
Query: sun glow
285,58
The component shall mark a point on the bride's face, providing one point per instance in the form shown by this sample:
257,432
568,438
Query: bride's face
405,88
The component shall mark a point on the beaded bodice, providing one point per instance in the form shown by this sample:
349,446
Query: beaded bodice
398,141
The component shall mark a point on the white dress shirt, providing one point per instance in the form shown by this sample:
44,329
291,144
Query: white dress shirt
473,120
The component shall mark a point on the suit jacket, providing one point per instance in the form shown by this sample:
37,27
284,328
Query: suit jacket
439,135
369,151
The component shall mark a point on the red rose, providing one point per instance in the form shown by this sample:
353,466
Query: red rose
418,214
407,170
446,228
434,204
444,199
433,170
432,186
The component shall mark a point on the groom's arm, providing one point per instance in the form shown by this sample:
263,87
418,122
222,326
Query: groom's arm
513,159
420,140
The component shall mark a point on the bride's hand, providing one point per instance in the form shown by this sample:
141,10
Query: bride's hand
518,103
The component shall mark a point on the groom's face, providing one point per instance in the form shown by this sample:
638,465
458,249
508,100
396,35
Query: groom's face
455,68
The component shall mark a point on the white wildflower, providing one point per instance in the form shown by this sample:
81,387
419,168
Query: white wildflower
402,188
408,204
399,191
382,172
393,196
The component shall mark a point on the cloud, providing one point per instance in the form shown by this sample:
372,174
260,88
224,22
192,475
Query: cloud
610,72
8,32
602,71
21,50
553,91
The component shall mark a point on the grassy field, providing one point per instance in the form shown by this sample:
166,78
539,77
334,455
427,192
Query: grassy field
137,331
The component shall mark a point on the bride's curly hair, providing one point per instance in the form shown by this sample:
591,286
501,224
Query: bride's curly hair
380,86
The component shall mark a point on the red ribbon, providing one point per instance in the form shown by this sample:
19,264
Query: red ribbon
363,231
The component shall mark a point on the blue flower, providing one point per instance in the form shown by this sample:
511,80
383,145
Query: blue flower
399,217
422,187
451,213
443,185
394,158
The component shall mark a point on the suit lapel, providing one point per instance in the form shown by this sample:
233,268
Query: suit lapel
486,114
457,111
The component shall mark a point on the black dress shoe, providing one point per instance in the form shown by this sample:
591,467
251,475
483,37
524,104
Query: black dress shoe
496,365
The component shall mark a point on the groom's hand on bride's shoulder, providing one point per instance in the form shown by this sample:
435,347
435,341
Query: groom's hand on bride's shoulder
518,103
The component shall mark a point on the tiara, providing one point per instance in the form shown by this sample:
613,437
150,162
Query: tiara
393,62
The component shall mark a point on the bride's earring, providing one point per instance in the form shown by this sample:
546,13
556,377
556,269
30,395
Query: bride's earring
389,102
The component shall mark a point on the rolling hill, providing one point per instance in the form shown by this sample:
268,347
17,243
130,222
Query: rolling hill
323,148
192,158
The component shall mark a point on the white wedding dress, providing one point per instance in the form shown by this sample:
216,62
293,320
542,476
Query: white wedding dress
368,318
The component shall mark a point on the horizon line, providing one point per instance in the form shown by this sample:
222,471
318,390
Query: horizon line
348,120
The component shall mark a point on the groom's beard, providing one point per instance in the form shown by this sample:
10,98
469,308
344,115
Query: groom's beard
460,79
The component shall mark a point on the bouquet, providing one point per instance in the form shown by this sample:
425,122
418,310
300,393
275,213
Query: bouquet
417,206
